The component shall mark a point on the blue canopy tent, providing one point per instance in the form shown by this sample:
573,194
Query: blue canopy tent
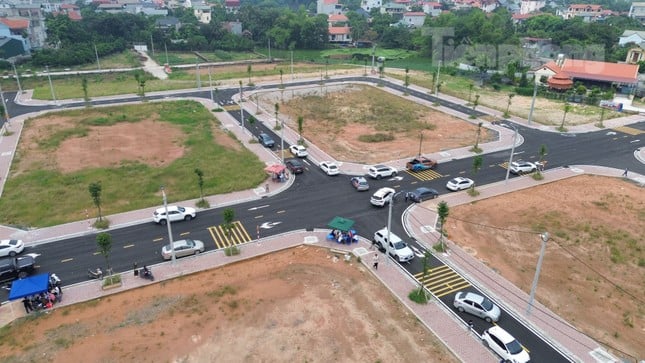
29,286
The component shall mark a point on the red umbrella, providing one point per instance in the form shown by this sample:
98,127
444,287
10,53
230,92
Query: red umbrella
275,169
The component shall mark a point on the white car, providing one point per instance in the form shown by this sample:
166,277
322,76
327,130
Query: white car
176,213
382,196
184,247
299,151
521,167
381,171
330,168
459,183
477,305
505,345
11,247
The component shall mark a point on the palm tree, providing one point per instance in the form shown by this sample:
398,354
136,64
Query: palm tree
479,132
478,161
567,108
442,212
301,122
277,108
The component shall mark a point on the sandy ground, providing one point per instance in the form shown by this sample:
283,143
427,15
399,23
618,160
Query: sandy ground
593,273
298,305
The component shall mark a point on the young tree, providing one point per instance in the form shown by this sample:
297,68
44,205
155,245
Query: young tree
200,182
478,161
508,105
248,70
479,132
476,102
229,215
566,108
471,85
407,77
86,96
301,122
541,153
95,190
277,108
140,77
442,212
104,244
281,72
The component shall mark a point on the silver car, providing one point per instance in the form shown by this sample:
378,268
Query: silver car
477,305
183,247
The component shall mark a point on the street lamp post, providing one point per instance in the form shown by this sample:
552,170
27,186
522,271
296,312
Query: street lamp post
510,159
282,140
172,245
436,81
389,217
545,237
13,64
51,86
533,100
210,83
199,80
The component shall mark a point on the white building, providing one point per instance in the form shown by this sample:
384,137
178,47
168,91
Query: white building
368,5
531,6
632,36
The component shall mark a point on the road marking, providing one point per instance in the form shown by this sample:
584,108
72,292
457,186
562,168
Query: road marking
67,260
268,225
258,207
426,175
226,238
442,280
184,234
260,216
128,246
628,130
7,153
157,239
281,211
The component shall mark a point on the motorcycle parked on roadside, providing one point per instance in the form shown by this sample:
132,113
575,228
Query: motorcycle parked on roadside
95,274
146,273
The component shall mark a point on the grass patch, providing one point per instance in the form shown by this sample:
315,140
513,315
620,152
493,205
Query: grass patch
418,296
130,185
378,137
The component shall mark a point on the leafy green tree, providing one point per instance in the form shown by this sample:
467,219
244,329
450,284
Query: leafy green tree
478,162
276,108
104,244
200,182
140,77
301,122
476,102
96,190
281,72
471,85
229,216
86,97
479,133
407,77
566,108
541,153
442,213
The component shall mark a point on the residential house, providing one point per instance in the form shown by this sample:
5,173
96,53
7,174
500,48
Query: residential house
635,55
621,75
11,45
587,12
632,36
71,10
112,8
414,19
431,8
202,13
232,6
521,18
368,5
329,7
337,20
485,5
531,6
36,32
393,8
340,34
168,23
233,27
637,11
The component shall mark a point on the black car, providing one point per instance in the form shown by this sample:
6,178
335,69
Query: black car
294,166
266,140
16,267
420,194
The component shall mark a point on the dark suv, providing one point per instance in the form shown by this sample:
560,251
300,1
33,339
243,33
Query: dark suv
16,267
266,140
294,166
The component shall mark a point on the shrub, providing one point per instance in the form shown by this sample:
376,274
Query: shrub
231,251
418,296
378,137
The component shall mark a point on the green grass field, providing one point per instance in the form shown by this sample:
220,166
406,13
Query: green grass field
41,197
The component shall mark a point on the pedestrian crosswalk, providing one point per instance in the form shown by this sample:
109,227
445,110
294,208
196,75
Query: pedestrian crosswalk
442,280
233,107
628,130
425,174
225,237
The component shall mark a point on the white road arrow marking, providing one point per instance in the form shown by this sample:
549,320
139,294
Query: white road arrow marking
259,207
267,225
397,178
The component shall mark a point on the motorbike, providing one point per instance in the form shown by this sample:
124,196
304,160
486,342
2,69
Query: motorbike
146,273
95,274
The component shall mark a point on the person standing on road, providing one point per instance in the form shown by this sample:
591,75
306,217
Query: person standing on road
375,259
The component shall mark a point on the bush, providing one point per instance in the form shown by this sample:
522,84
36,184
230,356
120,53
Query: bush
378,137
231,251
418,296
104,223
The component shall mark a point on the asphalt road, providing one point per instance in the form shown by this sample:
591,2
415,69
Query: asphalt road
315,198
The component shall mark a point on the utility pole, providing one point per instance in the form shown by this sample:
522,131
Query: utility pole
51,85
152,45
210,83
436,81
510,159
199,80
96,53
269,39
166,49
4,105
533,100
13,64
545,237
172,245
292,65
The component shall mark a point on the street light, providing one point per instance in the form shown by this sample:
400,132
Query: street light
51,86
282,140
210,82
172,245
436,81
13,64
545,237
535,81
510,159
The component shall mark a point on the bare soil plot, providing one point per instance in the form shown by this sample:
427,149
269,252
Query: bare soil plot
593,272
297,305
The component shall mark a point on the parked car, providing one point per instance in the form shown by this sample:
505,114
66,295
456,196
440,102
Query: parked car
522,167
11,247
184,247
17,267
359,183
459,183
299,151
266,140
330,168
477,305
176,213
382,196
395,247
504,345
381,171
420,194
294,166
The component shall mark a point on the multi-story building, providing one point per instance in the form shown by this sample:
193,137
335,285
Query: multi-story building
637,11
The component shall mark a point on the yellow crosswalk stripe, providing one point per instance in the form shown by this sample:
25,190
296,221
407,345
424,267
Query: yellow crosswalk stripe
224,238
425,174
628,130
442,280
232,107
